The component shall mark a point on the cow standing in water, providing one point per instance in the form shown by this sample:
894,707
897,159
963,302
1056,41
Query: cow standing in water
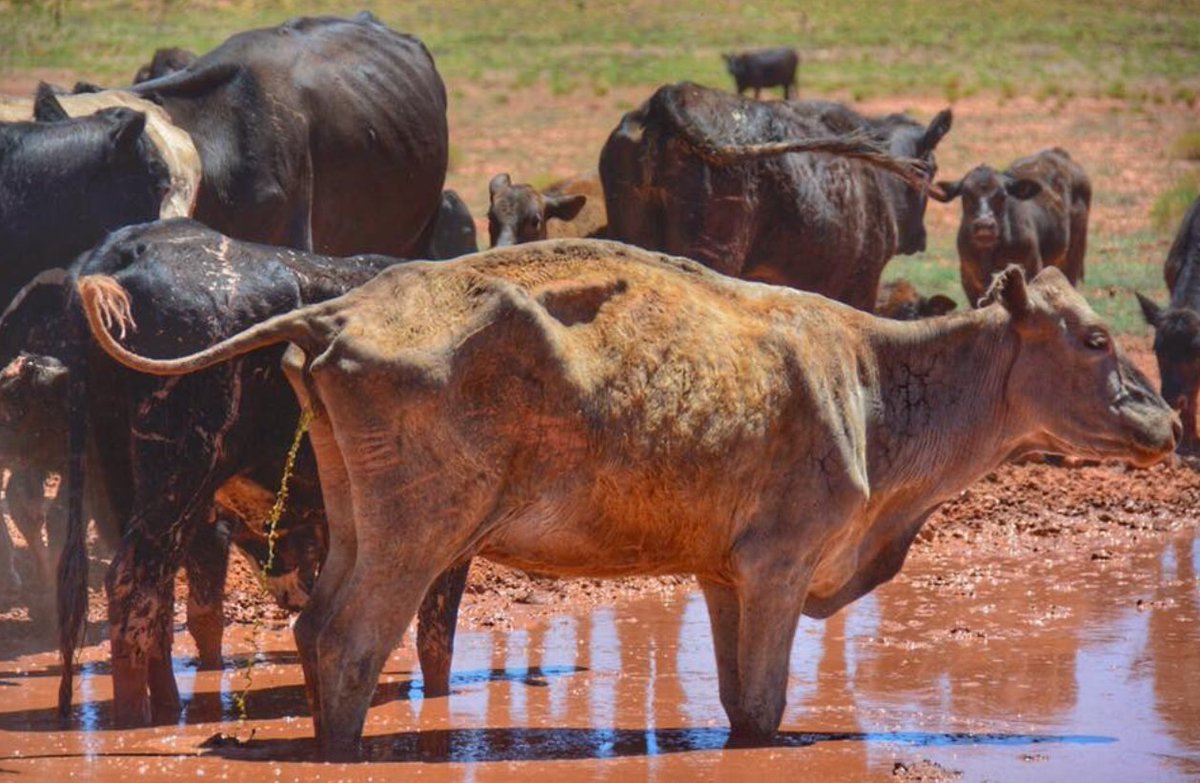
586,408
728,182
1034,214
1177,326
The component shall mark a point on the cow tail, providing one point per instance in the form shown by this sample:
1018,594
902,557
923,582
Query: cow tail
857,144
106,305
73,563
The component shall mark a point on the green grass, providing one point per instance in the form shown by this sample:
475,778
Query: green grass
1116,267
911,46
1170,207
1187,146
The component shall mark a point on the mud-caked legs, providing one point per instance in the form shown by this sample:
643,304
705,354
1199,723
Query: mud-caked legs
141,599
436,623
207,563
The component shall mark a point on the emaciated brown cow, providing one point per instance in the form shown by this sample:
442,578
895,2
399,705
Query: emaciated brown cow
1034,213
582,407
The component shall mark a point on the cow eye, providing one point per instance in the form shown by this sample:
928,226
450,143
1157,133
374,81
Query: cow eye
1097,340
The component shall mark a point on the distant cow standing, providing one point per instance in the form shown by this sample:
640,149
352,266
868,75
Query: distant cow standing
570,208
1033,214
764,68
163,63
580,407
708,175
1177,326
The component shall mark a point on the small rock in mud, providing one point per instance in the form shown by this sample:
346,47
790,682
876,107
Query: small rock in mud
924,771
1034,757
1102,554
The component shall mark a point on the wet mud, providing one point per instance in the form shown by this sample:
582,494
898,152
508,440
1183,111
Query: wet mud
1002,667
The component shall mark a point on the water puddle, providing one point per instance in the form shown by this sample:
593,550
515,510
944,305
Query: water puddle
1003,671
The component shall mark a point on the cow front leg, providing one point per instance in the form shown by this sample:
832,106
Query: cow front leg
724,614
207,563
436,624
769,610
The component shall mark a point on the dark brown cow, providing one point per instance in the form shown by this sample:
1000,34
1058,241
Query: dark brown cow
320,134
1033,214
761,68
582,407
708,175
1177,326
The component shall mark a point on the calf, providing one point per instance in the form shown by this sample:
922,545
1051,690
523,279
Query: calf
163,63
520,213
901,301
1033,214
760,68
1177,326
580,407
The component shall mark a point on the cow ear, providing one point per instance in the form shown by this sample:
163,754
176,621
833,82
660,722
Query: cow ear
1023,189
564,207
936,131
498,183
940,304
1008,288
46,107
86,88
945,191
127,127
1150,311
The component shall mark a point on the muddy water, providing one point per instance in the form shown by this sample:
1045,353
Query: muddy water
1083,670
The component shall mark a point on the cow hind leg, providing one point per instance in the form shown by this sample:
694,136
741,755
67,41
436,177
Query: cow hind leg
207,564
374,609
437,619
164,691
339,562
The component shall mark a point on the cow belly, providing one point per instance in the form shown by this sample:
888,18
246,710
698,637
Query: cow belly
575,538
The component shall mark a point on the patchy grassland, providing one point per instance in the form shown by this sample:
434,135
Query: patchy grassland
535,87
1131,49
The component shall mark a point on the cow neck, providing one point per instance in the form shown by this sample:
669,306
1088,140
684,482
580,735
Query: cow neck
1187,285
941,410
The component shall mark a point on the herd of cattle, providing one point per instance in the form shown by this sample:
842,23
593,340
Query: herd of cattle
575,406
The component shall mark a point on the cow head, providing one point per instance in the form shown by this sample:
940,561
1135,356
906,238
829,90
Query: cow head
908,139
518,213
985,193
66,182
1070,384
1177,348
733,63
163,63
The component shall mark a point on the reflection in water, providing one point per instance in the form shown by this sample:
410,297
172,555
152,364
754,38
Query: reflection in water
1059,664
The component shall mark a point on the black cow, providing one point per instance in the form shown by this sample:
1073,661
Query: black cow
163,63
65,183
761,68
706,174
1033,214
454,231
321,134
1177,326
163,453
